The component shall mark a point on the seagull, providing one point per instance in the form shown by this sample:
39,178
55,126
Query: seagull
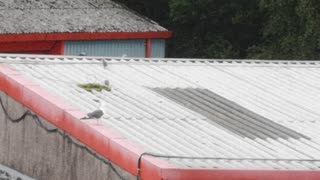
83,54
123,56
107,83
104,63
96,114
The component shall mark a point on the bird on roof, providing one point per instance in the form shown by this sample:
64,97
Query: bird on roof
123,56
96,114
104,63
83,54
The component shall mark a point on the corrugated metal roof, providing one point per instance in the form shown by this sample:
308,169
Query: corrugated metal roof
64,16
227,114
181,107
7,173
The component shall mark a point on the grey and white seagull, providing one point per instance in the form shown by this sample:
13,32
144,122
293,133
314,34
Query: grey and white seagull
96,114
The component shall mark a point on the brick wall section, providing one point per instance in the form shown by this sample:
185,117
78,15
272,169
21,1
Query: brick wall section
28,148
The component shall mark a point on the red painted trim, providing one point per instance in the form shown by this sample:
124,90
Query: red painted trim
115,147
148,48
62,45
38,46
57,48
84,36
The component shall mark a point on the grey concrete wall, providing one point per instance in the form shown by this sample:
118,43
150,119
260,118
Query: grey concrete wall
31,150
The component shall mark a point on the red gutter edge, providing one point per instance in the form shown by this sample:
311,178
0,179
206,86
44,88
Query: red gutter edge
148,48
112,145
84,36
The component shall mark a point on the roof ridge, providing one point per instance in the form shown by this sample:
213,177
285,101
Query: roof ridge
174,60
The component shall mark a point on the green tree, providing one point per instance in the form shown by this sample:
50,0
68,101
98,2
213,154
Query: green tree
214,28
291,30
156,10
204,28
264,29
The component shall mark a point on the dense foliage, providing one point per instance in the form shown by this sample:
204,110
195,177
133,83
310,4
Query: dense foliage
264,29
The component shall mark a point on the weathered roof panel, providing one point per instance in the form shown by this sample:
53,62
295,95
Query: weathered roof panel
64,16
181,107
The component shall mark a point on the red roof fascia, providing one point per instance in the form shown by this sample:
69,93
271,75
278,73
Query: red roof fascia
113,145
84,36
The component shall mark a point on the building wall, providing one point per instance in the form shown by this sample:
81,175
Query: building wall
32,47
158,48
114,48
31,150
110,48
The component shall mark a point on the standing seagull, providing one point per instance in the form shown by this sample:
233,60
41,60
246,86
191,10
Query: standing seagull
104,63
96,114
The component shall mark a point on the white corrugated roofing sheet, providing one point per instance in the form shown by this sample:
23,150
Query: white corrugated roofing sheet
251,114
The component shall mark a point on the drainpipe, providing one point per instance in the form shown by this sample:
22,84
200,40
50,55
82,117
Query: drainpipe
148,48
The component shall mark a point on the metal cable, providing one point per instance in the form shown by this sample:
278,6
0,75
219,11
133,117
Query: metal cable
61,133
214,158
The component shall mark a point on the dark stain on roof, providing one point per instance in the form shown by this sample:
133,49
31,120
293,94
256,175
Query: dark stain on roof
67,16
227,114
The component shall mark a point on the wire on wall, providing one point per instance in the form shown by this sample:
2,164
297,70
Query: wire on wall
215,158
61,133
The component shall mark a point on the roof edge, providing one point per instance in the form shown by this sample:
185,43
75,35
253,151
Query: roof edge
208,174
179,61
84,36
